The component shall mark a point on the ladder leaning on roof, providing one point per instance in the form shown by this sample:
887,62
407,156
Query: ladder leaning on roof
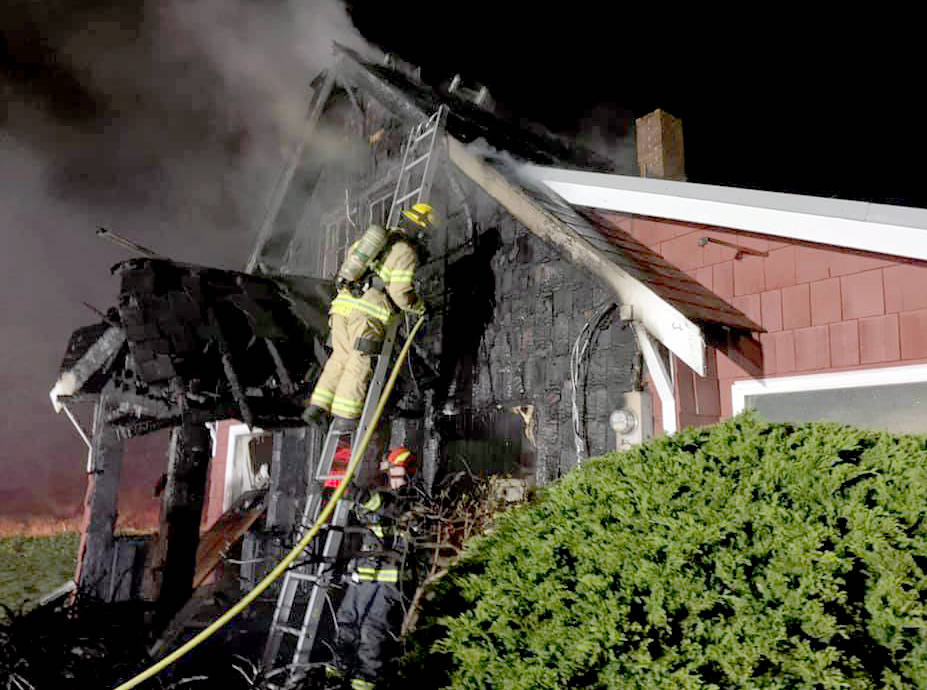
412,186
417,169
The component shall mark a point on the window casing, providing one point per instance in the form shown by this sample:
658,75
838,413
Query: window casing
890,398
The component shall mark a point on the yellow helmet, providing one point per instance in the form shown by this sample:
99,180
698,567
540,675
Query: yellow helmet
421,214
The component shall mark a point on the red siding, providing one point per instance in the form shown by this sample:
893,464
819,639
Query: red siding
878,339
796,307
824,308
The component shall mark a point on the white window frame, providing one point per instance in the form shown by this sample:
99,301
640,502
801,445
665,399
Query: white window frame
857,378
237,432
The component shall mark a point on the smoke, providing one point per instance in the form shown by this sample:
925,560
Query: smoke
177,110
164,120
608,129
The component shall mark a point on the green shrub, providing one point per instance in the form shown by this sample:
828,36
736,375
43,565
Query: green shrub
742,555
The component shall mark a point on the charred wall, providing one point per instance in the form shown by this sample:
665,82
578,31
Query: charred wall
506,309
511,309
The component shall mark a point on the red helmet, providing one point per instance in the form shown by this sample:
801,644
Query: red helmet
339,466
401,457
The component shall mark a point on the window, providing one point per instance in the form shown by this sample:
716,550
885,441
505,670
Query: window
892,398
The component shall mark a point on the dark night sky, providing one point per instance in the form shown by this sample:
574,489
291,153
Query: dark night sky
167,121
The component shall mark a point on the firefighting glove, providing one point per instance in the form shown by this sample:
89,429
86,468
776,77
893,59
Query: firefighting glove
420,308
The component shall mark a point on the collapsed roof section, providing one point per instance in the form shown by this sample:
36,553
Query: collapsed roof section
196,341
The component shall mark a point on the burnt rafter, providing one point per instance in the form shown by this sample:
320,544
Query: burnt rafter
200,344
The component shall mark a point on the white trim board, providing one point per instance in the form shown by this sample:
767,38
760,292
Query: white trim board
662,380
879,228
857,378
236,431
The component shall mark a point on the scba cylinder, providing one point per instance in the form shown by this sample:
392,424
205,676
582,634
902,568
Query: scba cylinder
362,253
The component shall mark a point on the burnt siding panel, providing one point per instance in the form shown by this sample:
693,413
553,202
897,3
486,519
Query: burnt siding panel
522,356
508,308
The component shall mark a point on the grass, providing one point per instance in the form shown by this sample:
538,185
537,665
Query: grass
32,566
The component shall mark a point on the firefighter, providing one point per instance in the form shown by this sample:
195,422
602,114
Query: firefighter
370,615
359,313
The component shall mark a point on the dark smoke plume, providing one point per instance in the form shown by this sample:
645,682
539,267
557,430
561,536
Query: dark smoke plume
164,120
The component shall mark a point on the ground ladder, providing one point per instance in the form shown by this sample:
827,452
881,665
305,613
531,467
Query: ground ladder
418,165
296,615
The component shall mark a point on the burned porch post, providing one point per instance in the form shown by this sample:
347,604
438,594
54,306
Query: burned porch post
174,553
95,555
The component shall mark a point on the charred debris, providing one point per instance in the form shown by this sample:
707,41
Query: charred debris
195,344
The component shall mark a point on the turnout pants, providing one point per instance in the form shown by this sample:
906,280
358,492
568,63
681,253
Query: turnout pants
342,387
369,620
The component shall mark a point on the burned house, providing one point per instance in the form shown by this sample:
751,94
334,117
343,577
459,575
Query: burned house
185,347
552,327
514,274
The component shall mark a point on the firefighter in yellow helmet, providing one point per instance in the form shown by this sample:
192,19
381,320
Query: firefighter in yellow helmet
359,313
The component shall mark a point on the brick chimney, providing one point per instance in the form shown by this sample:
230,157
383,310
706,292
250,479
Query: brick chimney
659,146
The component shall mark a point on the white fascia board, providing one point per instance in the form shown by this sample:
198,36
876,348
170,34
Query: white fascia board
856,378
880,228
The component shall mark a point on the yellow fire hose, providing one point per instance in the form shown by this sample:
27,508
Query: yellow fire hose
282,566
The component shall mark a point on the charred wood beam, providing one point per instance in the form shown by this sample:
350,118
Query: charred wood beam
133,405
125,243
95,554
173,557
286,383
290,473
351,72
99,356
229,368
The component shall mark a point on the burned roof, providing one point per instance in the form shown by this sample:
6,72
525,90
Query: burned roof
466,121
188,339
675,286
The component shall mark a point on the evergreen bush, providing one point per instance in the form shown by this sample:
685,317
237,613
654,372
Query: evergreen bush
743,555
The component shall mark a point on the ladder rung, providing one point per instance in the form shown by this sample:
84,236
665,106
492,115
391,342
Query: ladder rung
404,197
288,629
418,161
418,137
302,576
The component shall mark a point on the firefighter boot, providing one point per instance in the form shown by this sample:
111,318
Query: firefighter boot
314,414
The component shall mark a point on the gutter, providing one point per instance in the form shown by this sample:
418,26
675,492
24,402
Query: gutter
863,226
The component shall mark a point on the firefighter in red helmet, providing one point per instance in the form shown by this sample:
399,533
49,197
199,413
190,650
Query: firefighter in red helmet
370,615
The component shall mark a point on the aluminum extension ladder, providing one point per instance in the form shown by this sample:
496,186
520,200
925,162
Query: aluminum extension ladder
318,576
412,186
417,170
